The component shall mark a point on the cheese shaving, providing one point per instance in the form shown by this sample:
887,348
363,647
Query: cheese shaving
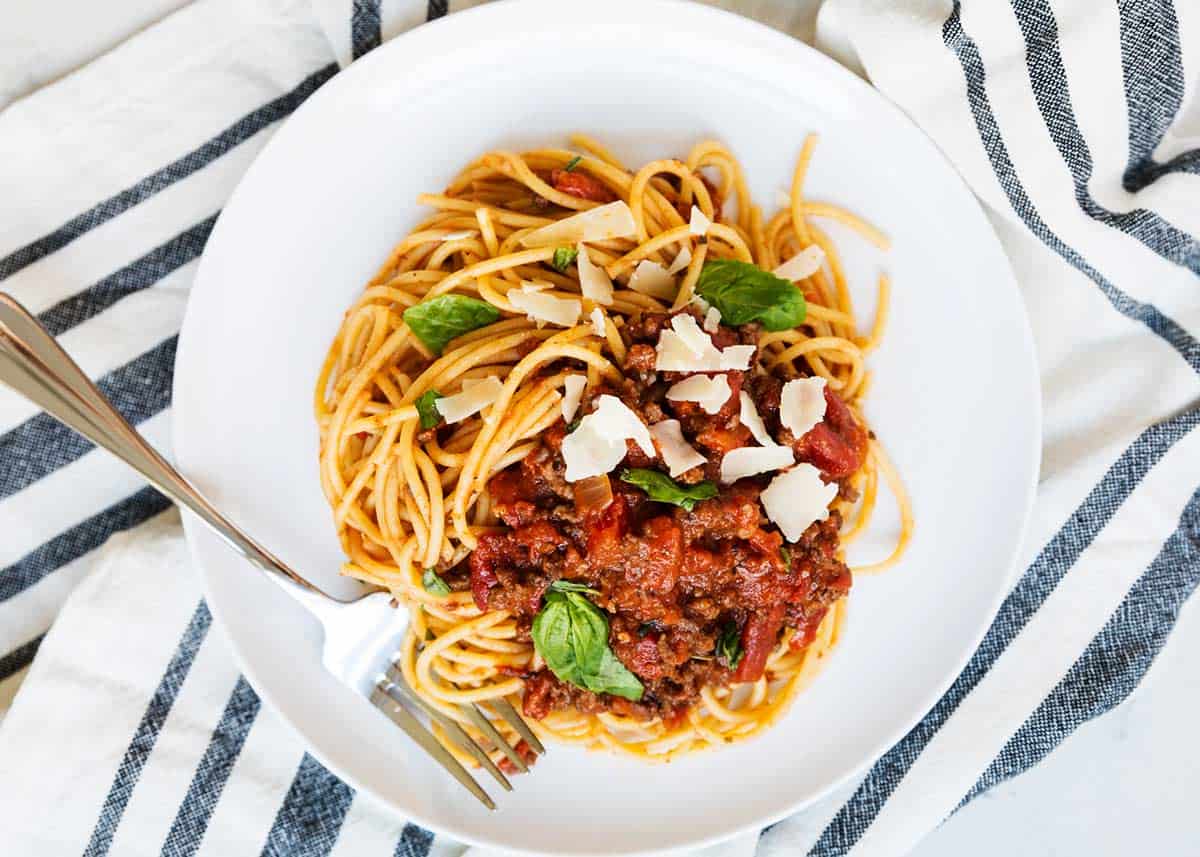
712,319
651,278
698,223
597,319
682,260
751,460
598,444
477,394
677,453
802,405
803,265
594,282
531,300
572,393
748,414
602,223
796,499
687,348
710,393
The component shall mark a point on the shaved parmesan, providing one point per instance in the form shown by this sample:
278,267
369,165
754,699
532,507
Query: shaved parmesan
598,444
710,393
477,394
459,235
601,223
651,278
531,300
597,320
796,499
751,420
699,222
802,405
677,453
712,319
750,460
594,282
572,392
681,261
687,348
803,265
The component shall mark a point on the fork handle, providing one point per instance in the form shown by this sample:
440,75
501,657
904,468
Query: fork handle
35,365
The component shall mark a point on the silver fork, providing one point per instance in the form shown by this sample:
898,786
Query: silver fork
361,634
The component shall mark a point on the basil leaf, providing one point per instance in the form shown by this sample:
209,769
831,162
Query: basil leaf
430,415
744,293
787,557
572,586
729,645
571,635
436,322
573,163
564,257
664,489
433,583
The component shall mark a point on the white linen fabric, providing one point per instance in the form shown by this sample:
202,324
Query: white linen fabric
1078,126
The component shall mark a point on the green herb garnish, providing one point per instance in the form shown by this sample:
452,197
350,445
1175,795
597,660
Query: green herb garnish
564,257
435,322
427,410
573,163
664,489
433,583
571,635
729,645
572,586
787,557
744,293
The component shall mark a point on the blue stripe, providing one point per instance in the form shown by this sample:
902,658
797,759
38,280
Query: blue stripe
1048,78
365,32
414,842
1152,69
83,538
41,445
20,657
240,131
147,733
1116,659
311,816
224,747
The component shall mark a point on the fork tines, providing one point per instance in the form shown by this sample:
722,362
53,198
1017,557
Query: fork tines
392,690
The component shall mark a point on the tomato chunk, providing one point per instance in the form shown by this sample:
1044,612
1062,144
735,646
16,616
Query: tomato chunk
758,640
581,185
838,444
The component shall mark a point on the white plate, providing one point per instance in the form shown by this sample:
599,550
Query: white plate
954,398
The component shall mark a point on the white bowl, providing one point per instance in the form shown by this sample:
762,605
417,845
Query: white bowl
955,396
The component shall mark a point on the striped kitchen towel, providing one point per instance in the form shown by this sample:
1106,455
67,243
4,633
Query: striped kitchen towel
123,131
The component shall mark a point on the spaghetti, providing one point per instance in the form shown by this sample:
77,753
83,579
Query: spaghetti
413,496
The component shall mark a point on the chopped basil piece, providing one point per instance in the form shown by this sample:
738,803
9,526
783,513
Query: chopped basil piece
431,417
787,557
435,322
743,293
571,635
664,489
573,163
433,583
729,645
572,586
564,257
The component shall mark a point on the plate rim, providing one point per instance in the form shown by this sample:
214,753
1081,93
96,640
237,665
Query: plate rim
196,533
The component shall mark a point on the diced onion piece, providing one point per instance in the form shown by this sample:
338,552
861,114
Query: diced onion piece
602,223
710,393
459,235
595,284
572,392
530,300
651,278
598,444
751,420
802,405
677,453
796,499
803,265
750,460
712,319
596,317
592,494
477,394
681,261
699,222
